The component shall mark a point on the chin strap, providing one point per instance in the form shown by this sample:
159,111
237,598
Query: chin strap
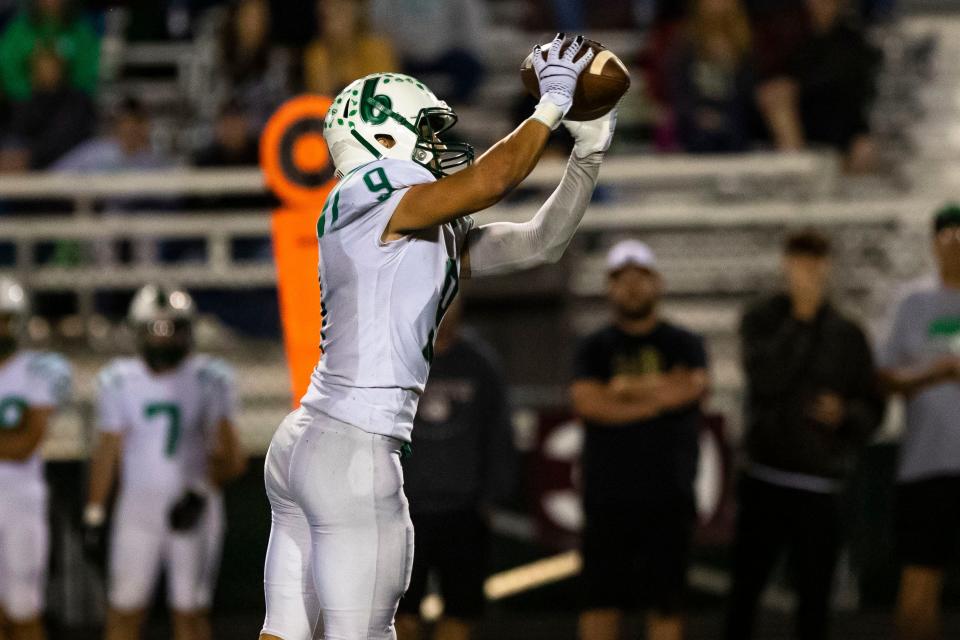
502,247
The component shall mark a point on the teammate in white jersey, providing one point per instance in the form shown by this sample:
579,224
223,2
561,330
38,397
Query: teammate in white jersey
166,417
394,241
32,386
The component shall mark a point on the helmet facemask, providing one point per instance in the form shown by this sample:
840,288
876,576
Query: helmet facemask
439,157
162,318
165,342
429,151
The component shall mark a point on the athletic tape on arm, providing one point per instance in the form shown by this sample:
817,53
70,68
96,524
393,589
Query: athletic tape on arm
502,247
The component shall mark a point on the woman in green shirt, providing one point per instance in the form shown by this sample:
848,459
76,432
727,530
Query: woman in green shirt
53,24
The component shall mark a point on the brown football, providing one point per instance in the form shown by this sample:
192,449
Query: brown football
599,88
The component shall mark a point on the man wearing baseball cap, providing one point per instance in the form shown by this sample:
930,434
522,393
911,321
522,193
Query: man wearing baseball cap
921,362
638,385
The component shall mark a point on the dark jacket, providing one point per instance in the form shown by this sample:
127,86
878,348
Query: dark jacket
463,455
788,363
836,72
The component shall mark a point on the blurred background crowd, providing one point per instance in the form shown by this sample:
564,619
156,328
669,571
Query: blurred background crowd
712,76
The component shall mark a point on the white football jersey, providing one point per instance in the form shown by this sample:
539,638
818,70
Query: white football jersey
168,422
381,302
29,379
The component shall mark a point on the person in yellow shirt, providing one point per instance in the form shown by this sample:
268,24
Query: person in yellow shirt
345,49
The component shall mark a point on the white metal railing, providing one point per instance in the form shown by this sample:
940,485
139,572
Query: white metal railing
217,267
218,231
813,170
73,186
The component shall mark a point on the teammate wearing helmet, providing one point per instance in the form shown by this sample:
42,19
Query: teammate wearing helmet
395,239
166,419
32,386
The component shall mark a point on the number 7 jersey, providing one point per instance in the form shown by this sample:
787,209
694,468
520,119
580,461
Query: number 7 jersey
168,422
381,301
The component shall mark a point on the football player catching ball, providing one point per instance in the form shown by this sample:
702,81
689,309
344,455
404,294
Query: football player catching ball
395,238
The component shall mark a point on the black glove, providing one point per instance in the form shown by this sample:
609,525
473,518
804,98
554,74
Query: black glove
94,543
94,534
186,513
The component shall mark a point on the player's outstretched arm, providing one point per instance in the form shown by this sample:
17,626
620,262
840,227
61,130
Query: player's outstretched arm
504,165
502,247
18,445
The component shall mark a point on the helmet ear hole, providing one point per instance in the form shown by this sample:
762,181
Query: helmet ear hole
386,140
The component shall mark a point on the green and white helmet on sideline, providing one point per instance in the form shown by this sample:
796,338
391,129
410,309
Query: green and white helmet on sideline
13,299
14,308
154,302
162,318
395,106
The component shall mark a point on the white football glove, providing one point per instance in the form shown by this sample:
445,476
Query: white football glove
558,74
592,136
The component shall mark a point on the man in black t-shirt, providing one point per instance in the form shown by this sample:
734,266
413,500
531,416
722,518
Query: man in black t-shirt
638,387
463,464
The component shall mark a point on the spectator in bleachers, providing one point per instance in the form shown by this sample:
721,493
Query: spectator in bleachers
921,362
55,118
256,71
235,143
712,79
52,24
345,49
812,403
654,59
463,464
128,147
638,386
826,89
437,39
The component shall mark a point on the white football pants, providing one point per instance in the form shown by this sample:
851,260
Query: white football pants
139,549
341,544
24,549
